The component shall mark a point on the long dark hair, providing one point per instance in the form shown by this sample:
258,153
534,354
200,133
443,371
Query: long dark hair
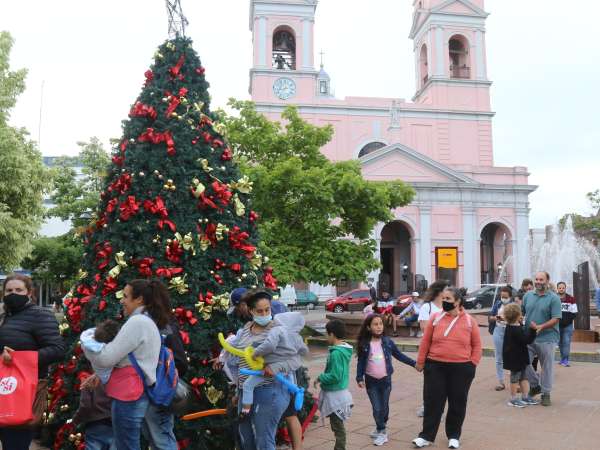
365,335
156,299
435,289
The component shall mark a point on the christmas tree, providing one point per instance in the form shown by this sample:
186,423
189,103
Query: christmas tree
174,207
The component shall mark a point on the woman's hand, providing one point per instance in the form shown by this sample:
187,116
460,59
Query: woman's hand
6,355
91,383
361,384
419,367
268,372
216,364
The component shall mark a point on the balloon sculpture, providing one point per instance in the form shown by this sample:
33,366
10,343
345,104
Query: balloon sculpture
247,354
296,391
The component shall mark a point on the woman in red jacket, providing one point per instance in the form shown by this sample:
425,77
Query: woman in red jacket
448,354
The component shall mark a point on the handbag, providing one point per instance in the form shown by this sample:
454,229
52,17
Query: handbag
23,398
183,400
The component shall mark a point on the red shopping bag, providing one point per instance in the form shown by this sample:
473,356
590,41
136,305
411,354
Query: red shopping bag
18,384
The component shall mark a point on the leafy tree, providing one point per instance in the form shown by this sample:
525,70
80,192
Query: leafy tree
22,173
316,215
77,195
175,207
594,198
55,260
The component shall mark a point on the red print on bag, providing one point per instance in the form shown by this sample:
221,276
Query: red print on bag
8,385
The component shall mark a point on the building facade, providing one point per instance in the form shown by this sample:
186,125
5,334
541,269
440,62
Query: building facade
469,221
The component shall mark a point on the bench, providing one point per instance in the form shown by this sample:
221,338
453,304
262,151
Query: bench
355,307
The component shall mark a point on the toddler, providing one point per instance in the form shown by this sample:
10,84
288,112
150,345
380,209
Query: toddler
94,341
516,355
283,344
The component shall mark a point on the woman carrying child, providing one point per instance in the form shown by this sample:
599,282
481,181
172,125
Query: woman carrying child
146,314
374,371
271,398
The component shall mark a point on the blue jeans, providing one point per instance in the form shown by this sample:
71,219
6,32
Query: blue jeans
15,439
248,388
257,430
564,344
498,344
99,436
379,391
127,418
158,428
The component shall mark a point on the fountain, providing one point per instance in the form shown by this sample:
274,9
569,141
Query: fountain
561,254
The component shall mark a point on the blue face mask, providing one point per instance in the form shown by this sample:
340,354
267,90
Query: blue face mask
262,321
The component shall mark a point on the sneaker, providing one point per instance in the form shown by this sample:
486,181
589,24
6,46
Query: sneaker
420,443
562,362
535,391
421,411
419,334
566,364
530,401
453,443
373,434
516,403
546,400
381,439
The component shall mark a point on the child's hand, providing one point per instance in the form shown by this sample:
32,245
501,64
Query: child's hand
361,384
268,372
316,383
90,382
419,367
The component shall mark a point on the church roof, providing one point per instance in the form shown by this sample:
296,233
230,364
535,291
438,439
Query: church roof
466,7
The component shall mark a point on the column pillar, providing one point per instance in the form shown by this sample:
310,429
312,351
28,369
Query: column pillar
469,254
262,41
307,62
480,55
521,255
439,52
425,236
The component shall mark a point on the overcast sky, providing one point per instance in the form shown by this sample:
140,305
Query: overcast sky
543,58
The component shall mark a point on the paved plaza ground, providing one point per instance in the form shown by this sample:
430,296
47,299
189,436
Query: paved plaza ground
571,423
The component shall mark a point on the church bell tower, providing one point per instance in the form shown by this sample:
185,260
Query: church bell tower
283,69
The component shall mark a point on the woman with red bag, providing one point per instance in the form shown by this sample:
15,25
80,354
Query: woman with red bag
26,327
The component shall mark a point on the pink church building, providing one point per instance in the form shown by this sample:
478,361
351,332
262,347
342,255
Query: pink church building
469,217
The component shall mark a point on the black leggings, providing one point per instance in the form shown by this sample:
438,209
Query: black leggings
445,381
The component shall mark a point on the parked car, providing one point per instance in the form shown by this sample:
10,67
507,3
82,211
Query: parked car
340,303
306,298
484,296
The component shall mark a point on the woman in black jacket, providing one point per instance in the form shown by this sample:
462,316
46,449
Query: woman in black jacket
26,326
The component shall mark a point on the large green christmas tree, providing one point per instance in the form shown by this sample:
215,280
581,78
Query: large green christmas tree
174,207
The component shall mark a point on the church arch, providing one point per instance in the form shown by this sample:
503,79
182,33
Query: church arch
284,48
370,147
458,53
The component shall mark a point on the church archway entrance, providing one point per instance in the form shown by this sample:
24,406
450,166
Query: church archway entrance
496,253
396,276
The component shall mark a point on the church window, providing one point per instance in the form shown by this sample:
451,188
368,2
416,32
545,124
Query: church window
370,148
284,50
323,87
459,57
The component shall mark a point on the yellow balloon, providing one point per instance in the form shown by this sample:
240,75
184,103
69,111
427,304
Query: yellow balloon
247,354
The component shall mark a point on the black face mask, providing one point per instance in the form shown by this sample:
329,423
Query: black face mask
15,302
447,306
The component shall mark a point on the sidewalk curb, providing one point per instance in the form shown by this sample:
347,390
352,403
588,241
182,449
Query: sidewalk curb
589,357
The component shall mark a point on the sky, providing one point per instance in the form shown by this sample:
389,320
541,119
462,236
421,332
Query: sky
90,57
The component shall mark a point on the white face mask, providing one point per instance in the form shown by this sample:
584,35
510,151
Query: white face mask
505,300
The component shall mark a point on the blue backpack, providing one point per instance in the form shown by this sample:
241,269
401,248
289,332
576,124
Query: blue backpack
163,391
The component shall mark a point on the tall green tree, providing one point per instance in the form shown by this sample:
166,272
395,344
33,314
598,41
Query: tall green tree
75,195
316,215
55,260
23,177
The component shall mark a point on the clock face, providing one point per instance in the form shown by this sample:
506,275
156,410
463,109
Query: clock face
284,88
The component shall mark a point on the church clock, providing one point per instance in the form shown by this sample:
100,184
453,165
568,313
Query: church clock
284,88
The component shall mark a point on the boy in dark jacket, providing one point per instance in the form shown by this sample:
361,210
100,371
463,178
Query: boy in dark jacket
94,414
516,355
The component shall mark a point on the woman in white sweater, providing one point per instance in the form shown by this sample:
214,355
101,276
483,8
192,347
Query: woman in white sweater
146,314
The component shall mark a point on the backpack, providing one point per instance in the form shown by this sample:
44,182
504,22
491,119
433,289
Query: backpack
163,391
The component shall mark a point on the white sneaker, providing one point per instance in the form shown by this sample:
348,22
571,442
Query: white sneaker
420,443
381,439
373,434
453,443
